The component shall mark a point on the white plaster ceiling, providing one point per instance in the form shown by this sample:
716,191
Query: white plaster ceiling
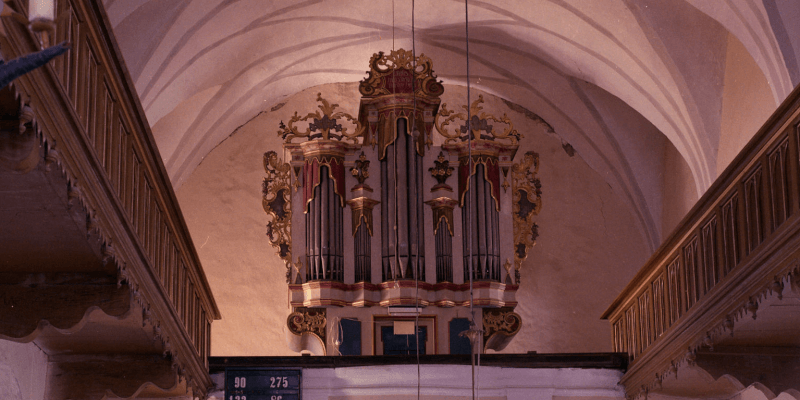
614,78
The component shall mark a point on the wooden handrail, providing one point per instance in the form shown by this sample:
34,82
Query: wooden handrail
731,246
86,107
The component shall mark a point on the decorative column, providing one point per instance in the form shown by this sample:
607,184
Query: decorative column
442,210
361,211
399,99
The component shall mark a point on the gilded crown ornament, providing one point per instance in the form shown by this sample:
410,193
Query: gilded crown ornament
479,125
325,125
400,72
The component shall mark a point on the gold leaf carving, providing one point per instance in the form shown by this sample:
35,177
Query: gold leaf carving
308,320
321,124
277,202
500,326
526,204
480,122
383,67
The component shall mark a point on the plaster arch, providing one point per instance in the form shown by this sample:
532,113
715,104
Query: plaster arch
257,58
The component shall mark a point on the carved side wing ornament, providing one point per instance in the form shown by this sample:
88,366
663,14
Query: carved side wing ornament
526,204
277,203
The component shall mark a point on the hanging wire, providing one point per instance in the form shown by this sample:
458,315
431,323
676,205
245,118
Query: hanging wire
473,325
414,137
394,150
392,25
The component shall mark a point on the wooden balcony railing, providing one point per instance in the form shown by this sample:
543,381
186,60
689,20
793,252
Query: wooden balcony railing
733,246
87,108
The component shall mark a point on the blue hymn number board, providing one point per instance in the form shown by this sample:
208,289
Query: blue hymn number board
262,384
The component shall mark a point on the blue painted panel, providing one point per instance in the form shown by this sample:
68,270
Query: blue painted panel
459,344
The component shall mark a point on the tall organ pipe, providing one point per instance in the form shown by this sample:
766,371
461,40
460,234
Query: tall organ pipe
401,220
444,253
324,245
483,229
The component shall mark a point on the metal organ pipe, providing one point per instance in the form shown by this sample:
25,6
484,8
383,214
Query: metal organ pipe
324,244
444,253
402,198
483,229
324,221
407,210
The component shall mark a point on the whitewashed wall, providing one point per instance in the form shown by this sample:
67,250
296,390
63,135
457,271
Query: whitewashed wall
23,371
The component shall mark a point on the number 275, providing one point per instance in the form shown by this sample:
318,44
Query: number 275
278,381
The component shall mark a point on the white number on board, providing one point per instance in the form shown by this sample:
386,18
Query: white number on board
278,381
239,383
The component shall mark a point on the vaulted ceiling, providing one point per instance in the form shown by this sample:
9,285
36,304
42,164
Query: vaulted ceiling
626,83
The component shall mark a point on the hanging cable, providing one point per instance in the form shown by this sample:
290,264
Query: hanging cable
414,137
473,325
392,25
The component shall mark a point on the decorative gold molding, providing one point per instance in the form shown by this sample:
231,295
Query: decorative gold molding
526,203
442,207
323,123
277,202
362,210
479,123
500,326
308,320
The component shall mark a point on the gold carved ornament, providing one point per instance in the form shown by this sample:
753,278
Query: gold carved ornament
321,124
383,66
277,203
526,203
500,325
360,170
479,122
308,320
440,171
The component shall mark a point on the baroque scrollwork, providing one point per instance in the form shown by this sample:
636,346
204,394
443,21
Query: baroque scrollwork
387,72
500,326
321,124
526,204
480,122
308,320
277,202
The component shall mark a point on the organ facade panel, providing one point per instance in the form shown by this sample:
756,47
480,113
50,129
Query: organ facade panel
400,251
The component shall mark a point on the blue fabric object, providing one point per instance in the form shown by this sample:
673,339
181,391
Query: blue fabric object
20,66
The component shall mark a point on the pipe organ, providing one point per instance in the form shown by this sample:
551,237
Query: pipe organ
418,254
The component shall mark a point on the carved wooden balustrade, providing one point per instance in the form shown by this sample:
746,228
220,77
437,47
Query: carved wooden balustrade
739,244
87,110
